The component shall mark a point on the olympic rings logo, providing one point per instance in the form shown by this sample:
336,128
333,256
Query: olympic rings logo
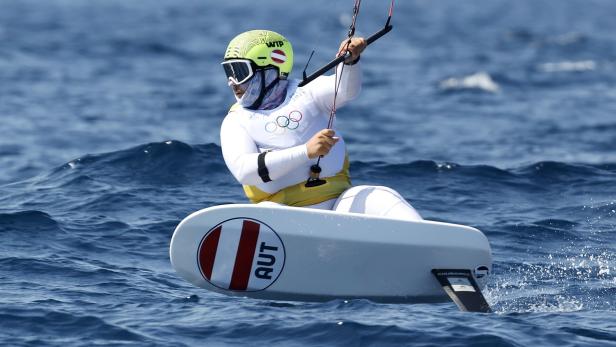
282,123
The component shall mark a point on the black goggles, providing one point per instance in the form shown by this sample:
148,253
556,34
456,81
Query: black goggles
238,71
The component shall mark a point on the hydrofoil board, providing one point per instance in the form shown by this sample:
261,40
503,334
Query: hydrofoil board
290,253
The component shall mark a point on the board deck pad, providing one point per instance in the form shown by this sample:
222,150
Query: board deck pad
290,253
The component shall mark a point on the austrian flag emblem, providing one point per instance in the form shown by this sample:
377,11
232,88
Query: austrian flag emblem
241,254
278,56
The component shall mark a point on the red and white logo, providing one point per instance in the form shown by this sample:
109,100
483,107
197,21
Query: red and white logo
278,56
241,254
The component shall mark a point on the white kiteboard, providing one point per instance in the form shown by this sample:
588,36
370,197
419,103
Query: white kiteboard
290,253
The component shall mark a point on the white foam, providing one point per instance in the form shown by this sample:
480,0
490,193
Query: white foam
480,80
569,66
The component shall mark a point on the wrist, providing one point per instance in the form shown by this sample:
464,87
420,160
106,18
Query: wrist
354,61
306,151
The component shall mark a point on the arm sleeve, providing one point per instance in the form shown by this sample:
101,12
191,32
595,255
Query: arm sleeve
322,89
241,155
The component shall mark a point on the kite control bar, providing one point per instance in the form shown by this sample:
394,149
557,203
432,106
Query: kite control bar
377,35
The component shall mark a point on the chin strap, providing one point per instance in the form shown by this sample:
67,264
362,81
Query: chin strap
264,90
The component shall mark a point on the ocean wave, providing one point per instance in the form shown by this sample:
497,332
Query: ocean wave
569,66
558,172
176,178
568,39
124,184
480,81
531,37
64,327
131,47
176,164
163,163
47,267
28,221
597,335
548,279
529,234
555,172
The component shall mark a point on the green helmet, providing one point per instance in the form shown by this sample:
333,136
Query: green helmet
264,48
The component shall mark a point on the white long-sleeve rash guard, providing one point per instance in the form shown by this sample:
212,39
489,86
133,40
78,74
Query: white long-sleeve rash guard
284,131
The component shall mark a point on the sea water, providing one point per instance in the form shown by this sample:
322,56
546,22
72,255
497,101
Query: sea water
496,114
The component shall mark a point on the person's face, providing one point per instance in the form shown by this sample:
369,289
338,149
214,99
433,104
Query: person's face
239,73
238,89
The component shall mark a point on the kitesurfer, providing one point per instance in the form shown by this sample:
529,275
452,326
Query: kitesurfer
276,130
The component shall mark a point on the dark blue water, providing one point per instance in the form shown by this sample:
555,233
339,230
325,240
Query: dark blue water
496,114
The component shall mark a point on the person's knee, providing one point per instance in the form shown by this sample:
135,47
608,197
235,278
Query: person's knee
376,200
385,192
367,189
371,192
387,189
354,190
